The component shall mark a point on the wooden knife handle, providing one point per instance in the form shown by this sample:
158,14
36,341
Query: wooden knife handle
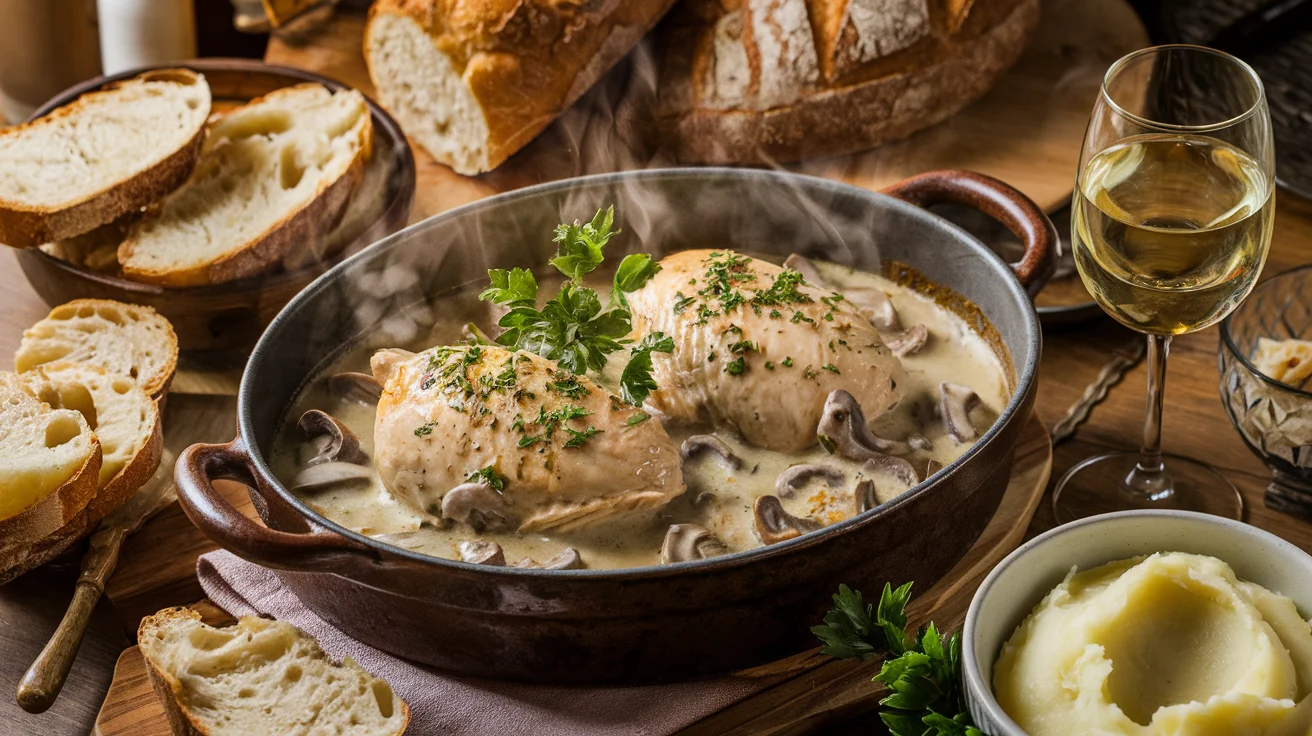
45,678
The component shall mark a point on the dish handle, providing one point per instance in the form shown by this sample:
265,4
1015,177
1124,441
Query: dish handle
1000,201
317,550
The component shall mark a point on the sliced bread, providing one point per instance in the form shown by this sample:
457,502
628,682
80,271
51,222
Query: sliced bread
49,467
124,417
124,339
274,176
104,155
260,677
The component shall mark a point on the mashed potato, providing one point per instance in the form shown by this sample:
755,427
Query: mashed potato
1168,644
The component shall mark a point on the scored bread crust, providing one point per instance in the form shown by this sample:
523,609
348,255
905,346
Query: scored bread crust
523,62
52,525
168,688
257,255
27,226
889,99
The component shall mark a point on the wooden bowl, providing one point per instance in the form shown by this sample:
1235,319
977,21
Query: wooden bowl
229,317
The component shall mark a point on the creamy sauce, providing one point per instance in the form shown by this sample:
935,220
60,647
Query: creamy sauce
719,499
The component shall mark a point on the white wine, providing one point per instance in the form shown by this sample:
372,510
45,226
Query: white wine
1171,230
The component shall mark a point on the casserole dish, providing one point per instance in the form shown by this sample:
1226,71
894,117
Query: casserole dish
654,623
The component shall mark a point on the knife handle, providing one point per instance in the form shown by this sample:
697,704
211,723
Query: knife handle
45,678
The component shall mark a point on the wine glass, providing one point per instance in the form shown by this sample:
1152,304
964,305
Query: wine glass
1171,221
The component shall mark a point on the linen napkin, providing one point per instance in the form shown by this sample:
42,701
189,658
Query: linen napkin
453,705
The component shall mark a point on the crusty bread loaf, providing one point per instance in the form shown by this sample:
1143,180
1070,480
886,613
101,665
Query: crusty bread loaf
472,81
108,153
49,466
752,81
274,176
260,677
123,416
124,339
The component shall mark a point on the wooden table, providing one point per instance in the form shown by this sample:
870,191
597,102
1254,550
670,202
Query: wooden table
1195,425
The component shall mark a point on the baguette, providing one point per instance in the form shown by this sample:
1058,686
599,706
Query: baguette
273,177
473,81
49,466
124,339
124,417
260,677
106,154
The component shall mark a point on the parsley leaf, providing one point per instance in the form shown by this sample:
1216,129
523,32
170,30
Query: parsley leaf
580,246
513,288
489,476
922,672
636,383
634,272
638,418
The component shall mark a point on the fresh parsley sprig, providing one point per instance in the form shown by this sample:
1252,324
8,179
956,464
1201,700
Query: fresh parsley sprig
636,383
922,672
572,328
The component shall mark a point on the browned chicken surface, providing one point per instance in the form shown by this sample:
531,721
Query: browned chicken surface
759,348
505,440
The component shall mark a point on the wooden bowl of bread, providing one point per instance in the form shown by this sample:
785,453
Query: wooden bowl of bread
211,193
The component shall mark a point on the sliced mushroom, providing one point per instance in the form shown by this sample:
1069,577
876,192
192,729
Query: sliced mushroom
843,430
482,552
907,342
324,475
898,467
797,476
955,403
774,524
869,302
361,388
329,440
700,444
480,506
863,496
685,542
568,559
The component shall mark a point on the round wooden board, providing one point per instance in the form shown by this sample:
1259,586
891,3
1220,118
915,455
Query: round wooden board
808,688
1027,131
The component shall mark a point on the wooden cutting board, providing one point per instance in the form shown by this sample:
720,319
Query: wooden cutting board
806,691
1027,131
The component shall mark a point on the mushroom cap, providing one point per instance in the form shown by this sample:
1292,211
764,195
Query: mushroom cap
955,404
482,552
843,429
796,476
478,505
685,542
361,388
774,524
329,439
701,444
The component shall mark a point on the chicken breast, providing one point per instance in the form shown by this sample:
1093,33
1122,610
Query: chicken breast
757,347
565,452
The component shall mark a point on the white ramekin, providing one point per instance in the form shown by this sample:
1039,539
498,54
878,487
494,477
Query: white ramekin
1021,580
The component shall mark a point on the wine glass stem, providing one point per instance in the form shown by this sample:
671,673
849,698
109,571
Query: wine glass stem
1149,480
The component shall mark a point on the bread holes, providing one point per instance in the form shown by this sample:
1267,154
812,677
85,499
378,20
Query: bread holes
265,122
121,386
293,673
383,695
290,169
61,430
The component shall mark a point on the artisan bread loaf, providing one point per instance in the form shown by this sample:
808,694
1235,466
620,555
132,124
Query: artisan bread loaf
123,416
260,677
273,177
472,81
752,81
49,467
108,153
124,339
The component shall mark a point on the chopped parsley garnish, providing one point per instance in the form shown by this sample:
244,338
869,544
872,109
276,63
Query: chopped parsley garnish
638,418
809,372
775,314
742,346
549,422
425,429
831,368
681,302
578,437
769,366
569,387
799,317
636,383
783,290
788,362
922,671
736,366
489,476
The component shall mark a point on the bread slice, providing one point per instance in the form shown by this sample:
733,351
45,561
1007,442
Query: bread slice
473,82
49,466
274,176
124,339
260,677
124,417
104,155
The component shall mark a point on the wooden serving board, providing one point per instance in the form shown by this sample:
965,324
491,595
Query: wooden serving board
809,690
1026,131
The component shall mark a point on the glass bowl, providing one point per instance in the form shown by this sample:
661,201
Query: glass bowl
1274,418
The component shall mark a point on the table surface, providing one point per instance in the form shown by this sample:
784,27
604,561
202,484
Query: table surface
1195,425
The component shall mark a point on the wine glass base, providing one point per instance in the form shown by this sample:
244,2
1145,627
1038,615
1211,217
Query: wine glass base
1097,486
